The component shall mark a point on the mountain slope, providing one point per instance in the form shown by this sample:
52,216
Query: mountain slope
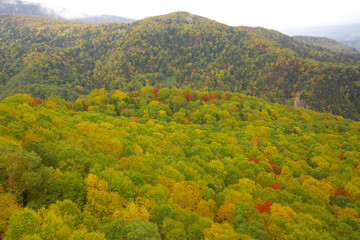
326,43
348,34
177,49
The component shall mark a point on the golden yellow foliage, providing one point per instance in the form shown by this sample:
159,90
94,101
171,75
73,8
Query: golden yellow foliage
93,183
226,213
247,182
278,210
185,195
347,212
205,208
236,197
103,204
219,231
133,210
8,205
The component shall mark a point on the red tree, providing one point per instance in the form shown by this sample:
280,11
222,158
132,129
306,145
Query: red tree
255,160
265,207
155,90
213,96
37,101
275,186
188,97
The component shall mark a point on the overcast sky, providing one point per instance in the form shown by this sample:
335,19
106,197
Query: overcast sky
275,14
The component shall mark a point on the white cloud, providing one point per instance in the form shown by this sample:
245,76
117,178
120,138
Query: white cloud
275,14
10,1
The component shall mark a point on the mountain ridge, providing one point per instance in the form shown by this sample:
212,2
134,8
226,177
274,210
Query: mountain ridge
347,34
327,43
178,49
104,19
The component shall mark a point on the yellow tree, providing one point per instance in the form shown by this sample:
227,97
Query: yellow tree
101,203
185,195
278,210
132,211
219,231
8,205
226,213
205,208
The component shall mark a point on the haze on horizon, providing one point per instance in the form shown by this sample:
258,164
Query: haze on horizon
276,14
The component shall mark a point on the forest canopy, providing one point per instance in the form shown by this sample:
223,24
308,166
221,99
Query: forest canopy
175,163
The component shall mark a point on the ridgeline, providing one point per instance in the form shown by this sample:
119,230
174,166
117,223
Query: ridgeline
43,56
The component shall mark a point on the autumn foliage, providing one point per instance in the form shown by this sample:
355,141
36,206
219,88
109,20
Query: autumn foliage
37,101
265,207
152,165
70,59
188,97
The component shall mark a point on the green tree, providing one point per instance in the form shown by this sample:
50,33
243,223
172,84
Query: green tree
137,229
22,223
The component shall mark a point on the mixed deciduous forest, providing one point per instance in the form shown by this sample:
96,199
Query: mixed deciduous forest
175,127
43,56
327,43
175,163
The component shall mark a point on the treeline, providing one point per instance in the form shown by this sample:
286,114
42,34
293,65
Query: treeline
175,164
44,56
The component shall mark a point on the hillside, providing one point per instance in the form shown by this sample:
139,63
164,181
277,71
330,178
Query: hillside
348,34
180,49
327,43
175,164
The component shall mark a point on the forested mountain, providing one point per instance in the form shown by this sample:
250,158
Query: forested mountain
25,8
43,56
148,130
348,34
175,164
325,42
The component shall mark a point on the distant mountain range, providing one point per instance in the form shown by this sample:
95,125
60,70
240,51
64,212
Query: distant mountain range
104,18
327,43
36,9
348,34
26,8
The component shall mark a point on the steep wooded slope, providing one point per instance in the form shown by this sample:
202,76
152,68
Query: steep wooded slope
44,56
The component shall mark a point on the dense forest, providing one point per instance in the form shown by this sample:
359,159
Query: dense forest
175,163
328,43
43,56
